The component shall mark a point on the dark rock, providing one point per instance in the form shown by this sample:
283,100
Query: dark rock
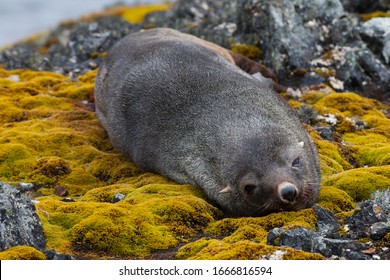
288,32
60,191
72,49
335,247
379,230
298,35
325,132
53,255
19,224
118,197
25,187
298,238
273,235
358,224
327,223
307,240
354,255
364,6
68,199
312,78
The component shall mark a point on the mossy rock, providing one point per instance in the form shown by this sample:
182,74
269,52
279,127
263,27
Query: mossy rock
22,253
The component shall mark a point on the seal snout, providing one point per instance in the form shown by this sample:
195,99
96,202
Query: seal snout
288,192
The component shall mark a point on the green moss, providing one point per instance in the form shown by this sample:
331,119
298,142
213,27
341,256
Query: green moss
227,226
335,200
301,255
242,250
359,183
349,104
373,149
22,253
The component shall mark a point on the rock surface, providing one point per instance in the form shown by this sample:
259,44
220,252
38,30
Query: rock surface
298,40
19,224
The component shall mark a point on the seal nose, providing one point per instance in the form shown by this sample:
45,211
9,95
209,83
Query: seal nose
287,192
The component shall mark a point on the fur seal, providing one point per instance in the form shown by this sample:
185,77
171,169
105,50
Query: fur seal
179,106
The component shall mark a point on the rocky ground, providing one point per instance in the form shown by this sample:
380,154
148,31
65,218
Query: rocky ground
88,202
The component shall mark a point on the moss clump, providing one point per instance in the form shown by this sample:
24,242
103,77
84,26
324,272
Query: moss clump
335,200
359,183
22,253
349,104
242,250
250,51
373,149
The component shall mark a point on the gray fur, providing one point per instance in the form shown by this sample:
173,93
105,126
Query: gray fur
182,110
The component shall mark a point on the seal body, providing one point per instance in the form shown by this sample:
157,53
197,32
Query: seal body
179,106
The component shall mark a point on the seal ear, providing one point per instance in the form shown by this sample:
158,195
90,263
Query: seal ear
301,144
228,189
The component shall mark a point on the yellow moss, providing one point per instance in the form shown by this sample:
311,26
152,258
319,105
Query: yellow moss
349,104
385,241
336,200
372,149
192,248
367,17
250,51
301,255
137,14
242,250
359,183
246,232
122,231
330,155
295,104
22,253
227,226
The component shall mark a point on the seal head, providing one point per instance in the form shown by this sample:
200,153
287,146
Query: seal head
270,175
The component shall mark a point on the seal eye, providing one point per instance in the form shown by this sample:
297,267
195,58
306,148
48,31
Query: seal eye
250,188
296,162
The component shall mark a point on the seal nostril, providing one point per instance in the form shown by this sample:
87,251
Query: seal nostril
288,192
249,189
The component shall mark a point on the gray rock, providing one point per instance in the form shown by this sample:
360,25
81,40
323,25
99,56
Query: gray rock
19,224
298,238
118,197
358,224
302,35
53,255
376,33
327,223
379,230
307,240
325,132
